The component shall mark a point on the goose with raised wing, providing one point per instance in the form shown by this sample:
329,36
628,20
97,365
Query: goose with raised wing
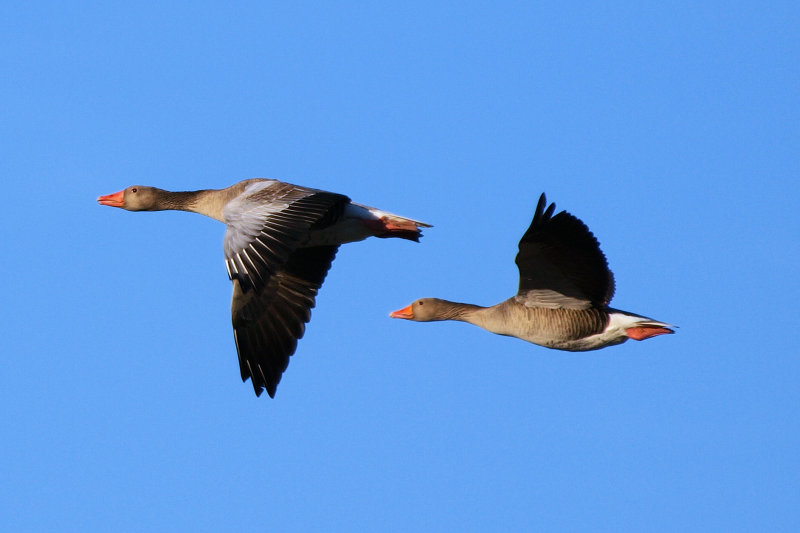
565,287
279,244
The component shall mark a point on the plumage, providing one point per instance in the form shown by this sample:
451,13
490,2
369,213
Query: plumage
565,287
279,244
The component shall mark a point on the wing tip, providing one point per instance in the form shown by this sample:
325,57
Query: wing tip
260,387
543,211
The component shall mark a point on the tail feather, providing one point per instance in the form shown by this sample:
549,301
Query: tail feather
388,225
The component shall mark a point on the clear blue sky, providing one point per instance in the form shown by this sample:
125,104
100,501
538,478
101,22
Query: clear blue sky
672,129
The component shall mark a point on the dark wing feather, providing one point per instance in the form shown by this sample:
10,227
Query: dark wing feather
268,322
560,263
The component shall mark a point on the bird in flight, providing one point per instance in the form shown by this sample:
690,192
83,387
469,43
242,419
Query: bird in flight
279,244
565,287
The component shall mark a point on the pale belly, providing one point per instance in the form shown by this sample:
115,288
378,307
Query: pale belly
593,342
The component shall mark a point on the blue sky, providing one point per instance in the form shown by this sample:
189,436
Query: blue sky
671,129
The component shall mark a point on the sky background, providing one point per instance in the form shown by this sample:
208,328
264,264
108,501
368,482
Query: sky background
671,129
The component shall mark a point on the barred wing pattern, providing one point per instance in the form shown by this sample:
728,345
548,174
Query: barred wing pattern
267,222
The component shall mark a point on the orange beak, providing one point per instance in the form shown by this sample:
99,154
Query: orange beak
114,200
405,312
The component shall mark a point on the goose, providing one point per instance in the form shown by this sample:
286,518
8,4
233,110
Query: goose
565,287
279,244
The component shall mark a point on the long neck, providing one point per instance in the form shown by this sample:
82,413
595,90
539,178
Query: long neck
447,310
208,202
493,318
179,201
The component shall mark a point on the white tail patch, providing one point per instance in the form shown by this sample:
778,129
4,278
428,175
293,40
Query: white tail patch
366,213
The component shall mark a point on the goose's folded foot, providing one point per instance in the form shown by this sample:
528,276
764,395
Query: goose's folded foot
641,333
386,227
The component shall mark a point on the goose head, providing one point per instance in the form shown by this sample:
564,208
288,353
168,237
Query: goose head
134,198
426,310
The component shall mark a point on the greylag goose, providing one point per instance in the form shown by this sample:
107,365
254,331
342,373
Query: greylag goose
279,244
565,287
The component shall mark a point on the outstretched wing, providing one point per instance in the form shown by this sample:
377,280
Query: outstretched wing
275,279
268,322
560,263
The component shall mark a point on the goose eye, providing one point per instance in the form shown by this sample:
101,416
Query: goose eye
421,302
134,189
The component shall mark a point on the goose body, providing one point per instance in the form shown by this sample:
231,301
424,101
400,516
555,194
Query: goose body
565,287
279,245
